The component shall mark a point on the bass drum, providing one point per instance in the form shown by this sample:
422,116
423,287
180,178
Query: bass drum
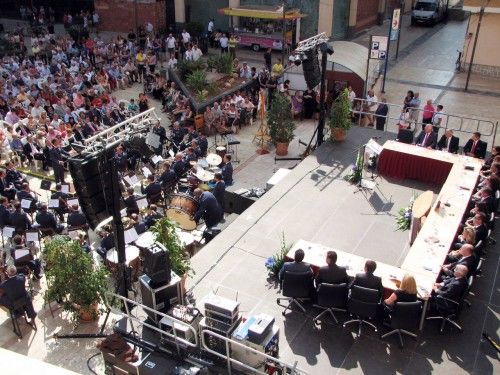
181,209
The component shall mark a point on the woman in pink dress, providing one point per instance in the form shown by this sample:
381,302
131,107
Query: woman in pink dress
428,113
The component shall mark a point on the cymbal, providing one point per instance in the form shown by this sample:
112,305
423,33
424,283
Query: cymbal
214,159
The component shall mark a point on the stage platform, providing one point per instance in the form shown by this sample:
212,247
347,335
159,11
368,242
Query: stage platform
316,204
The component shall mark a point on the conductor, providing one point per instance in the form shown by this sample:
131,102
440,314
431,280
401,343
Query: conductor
209,208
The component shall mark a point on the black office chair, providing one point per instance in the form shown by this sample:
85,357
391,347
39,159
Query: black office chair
405,136
405,316
363,304
496,202
449,310
491,227
296,288
17,310
331,297
479,249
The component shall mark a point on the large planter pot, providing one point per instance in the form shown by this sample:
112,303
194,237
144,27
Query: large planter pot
281,149
339,135
88,314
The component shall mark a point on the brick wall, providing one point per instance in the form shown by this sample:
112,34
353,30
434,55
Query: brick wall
120,15
367,14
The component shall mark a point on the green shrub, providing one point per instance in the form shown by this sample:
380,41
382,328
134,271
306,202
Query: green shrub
280,119
186,67
197,80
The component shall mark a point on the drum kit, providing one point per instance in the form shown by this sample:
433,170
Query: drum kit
181,209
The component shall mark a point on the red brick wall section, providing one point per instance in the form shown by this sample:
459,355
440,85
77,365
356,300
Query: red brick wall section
367,13
120,15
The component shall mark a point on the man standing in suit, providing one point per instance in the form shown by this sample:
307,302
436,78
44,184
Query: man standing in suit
427,138
219,190
452,288
227,170
209,208
13,289
168,178
152,191
368,279
162,134
63,202
57,158
475,147
448,142
331,273
298,265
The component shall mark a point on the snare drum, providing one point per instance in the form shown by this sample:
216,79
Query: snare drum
221,151
181,209
131,260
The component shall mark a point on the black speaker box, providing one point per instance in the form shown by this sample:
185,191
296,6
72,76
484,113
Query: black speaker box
235,203
310,67
157,264
159,299
405,136
92,178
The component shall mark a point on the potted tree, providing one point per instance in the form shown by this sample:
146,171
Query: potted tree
340,117
73,278
280,121
165,232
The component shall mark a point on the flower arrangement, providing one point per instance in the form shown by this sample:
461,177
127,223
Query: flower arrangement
403,220
276,261
357,169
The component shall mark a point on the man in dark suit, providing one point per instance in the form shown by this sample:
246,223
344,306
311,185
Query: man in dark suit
152,216
475,147
179,167
63,202
121,159
208,209
13,289
427,138
13,177
203,144
131,201
168,178
4,212
78,134
464,256
368,279
331,273
478,222
489,161
160,132
57,158
6,190
46,219
75,217
298,265
31,151
28,260
153,189
19,219
219,190
451,288
27,194
227,170
448,142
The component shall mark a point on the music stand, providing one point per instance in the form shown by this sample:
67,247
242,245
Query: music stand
45,185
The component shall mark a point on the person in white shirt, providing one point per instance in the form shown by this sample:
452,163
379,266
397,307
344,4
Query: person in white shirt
186,37
371,103
95,18
196,52
188,55
224,42
437,118
352,95
245,71
210,27
171,42
149,27
37,110
172,62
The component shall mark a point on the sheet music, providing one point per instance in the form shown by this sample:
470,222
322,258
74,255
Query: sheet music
373,146
156,159
65,188
153,140
26,203
142,202
146,172
72,234
19,253
53,203
130,235
72,202
8,232
131,180
32,236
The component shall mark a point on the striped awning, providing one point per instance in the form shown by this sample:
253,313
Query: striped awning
290,14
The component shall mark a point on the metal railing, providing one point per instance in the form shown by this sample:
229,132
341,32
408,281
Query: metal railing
285,367
457,123
129,304
133,123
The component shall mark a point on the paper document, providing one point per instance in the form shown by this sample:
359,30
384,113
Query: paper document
142,202
65,188
53,203
72,202
8,232
32,236
20,253
130,235
146,172
26,203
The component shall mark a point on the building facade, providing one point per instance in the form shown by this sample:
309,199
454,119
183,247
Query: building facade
486,58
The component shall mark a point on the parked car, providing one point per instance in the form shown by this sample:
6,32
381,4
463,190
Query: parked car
428,12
